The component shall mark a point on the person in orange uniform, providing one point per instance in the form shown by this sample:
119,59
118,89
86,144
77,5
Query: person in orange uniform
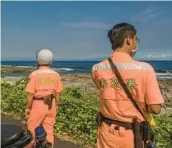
43,83
140,79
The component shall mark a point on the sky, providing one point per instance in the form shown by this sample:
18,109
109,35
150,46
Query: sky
78,30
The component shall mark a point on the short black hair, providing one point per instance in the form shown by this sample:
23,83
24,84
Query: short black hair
119,33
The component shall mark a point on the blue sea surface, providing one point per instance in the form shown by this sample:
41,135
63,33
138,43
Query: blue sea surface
162,68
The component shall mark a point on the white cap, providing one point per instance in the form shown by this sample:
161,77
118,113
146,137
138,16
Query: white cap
44,56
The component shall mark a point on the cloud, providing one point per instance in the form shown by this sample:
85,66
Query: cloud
160,56
148,14
152,55
86,25
152,16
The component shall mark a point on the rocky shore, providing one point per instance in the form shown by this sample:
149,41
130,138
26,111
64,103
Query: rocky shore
12,69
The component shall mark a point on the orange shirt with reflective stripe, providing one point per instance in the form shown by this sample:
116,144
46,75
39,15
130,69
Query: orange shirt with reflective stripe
140,78
43,82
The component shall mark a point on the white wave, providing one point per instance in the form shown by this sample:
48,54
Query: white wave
64,69
164,75
25,66
6,65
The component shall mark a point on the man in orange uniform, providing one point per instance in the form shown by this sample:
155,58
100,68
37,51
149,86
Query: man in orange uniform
43,83
140,79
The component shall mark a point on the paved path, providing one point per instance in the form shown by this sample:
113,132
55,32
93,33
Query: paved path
58,143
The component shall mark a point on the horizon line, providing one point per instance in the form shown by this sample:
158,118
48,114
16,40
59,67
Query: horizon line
84,60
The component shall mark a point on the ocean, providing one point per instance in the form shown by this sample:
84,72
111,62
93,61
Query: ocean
163,68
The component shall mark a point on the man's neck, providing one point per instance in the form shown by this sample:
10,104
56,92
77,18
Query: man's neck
44,67
122,50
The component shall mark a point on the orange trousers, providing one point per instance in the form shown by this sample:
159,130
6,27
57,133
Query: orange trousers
40,114
108,137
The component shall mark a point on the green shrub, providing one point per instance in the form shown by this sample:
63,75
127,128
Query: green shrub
13,98
163,131
74,92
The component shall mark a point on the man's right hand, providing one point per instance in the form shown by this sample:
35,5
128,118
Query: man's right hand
27,113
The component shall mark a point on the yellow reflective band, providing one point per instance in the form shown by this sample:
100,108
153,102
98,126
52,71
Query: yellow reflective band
152,122
47,81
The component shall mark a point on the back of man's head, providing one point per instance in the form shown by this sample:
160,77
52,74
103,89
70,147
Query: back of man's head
119,33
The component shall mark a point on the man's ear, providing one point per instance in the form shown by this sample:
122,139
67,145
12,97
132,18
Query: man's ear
129,41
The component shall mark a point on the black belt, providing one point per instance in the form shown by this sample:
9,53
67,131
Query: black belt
47,100
42,98
39,99
126,125
100,118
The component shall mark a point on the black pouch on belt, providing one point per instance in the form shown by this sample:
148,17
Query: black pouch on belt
49,100
147,135
145,131
99,118
137,133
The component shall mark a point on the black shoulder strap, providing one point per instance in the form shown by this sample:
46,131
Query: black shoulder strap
121,81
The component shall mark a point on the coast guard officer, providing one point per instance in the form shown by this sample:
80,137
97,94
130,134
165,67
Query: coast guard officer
141,81
43,94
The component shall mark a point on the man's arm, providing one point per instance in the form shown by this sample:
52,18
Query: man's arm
57,97
29,101
59,89
154,99
30,89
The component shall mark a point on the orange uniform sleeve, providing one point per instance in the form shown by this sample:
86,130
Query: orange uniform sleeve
153,94
31,85
59,87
